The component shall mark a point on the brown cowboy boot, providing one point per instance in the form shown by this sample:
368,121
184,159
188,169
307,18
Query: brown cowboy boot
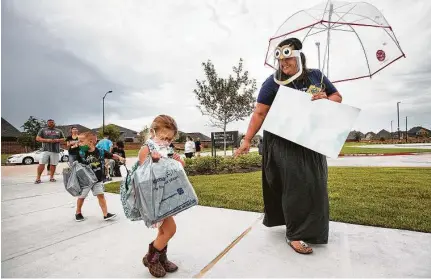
152,261
167,265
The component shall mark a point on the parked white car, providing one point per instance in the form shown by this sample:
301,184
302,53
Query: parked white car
34,157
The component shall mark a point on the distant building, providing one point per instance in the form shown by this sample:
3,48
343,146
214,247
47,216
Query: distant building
8,131
419,132
126,135
370,136
383,134
353,136
66,128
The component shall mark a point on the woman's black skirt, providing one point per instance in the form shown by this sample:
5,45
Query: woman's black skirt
294,182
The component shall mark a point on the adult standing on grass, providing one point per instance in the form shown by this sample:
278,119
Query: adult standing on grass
294,178
50,137
198,146
189,147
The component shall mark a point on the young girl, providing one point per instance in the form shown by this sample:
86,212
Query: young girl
162,132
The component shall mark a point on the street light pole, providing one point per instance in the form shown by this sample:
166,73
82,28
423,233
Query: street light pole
391,127
398,112
103,112
406,129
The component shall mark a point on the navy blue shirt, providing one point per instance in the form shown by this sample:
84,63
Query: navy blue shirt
270,87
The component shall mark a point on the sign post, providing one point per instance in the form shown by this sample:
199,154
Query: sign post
217,139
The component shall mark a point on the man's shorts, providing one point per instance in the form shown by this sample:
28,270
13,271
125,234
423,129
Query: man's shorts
49,158
97,189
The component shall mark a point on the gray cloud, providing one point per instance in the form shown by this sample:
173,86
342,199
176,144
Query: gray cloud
42,79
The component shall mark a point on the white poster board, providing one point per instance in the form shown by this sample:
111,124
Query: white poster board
321,125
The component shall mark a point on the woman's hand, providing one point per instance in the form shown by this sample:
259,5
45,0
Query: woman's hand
320,95
155,156
244,148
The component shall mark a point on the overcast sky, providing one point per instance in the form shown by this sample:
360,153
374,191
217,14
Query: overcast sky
59,57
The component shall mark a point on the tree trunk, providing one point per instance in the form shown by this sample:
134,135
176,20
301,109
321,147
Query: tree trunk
224,138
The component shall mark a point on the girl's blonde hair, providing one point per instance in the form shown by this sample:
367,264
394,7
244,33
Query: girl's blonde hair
163,122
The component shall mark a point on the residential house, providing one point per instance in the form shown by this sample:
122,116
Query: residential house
195,135
383,134
9,138
8,131
370,136
126,134
419,132
66,128
353,136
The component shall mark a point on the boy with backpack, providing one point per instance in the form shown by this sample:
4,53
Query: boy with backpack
94,157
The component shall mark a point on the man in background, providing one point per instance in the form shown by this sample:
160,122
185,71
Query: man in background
50,137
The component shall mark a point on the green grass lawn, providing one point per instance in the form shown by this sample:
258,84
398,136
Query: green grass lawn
132,153
384,197
348,148
4,158
352,149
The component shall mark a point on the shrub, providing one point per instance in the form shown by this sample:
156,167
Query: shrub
219,164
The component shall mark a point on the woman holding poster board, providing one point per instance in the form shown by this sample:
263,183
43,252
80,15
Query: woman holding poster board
294,178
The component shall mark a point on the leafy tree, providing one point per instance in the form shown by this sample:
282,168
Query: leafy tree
225,100
256,139
143,135
181,137
112,131
31,128
358,136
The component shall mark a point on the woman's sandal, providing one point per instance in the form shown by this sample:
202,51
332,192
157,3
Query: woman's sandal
303,247
38,181
52,180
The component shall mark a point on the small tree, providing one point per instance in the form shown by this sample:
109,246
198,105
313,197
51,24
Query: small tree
182,137
225,100
256,139
143,135
111,130
358,136
31,128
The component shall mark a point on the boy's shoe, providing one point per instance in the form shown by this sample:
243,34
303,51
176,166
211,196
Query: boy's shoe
79,217
109,216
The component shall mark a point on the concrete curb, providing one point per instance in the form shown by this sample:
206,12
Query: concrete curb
382,154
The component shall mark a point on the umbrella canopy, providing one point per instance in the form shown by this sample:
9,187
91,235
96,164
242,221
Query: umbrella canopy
346,40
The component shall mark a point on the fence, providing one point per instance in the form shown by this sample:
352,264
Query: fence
13,147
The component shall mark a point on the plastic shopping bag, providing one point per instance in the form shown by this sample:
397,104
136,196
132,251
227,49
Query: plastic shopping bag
177,192
71,182
85,175
155,191
129,197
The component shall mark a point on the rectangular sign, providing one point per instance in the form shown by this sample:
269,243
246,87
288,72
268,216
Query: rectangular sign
231,137
320,125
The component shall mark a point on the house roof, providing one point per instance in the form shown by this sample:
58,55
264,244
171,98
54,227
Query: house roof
416,129
196,135
125,132
383,131
8,130
352,134
66,128
371,133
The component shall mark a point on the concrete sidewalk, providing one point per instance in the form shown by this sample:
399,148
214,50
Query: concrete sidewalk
41,239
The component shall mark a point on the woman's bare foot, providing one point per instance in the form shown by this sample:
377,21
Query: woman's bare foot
300,246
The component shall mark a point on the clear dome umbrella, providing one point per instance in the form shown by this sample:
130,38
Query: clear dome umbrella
345,40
